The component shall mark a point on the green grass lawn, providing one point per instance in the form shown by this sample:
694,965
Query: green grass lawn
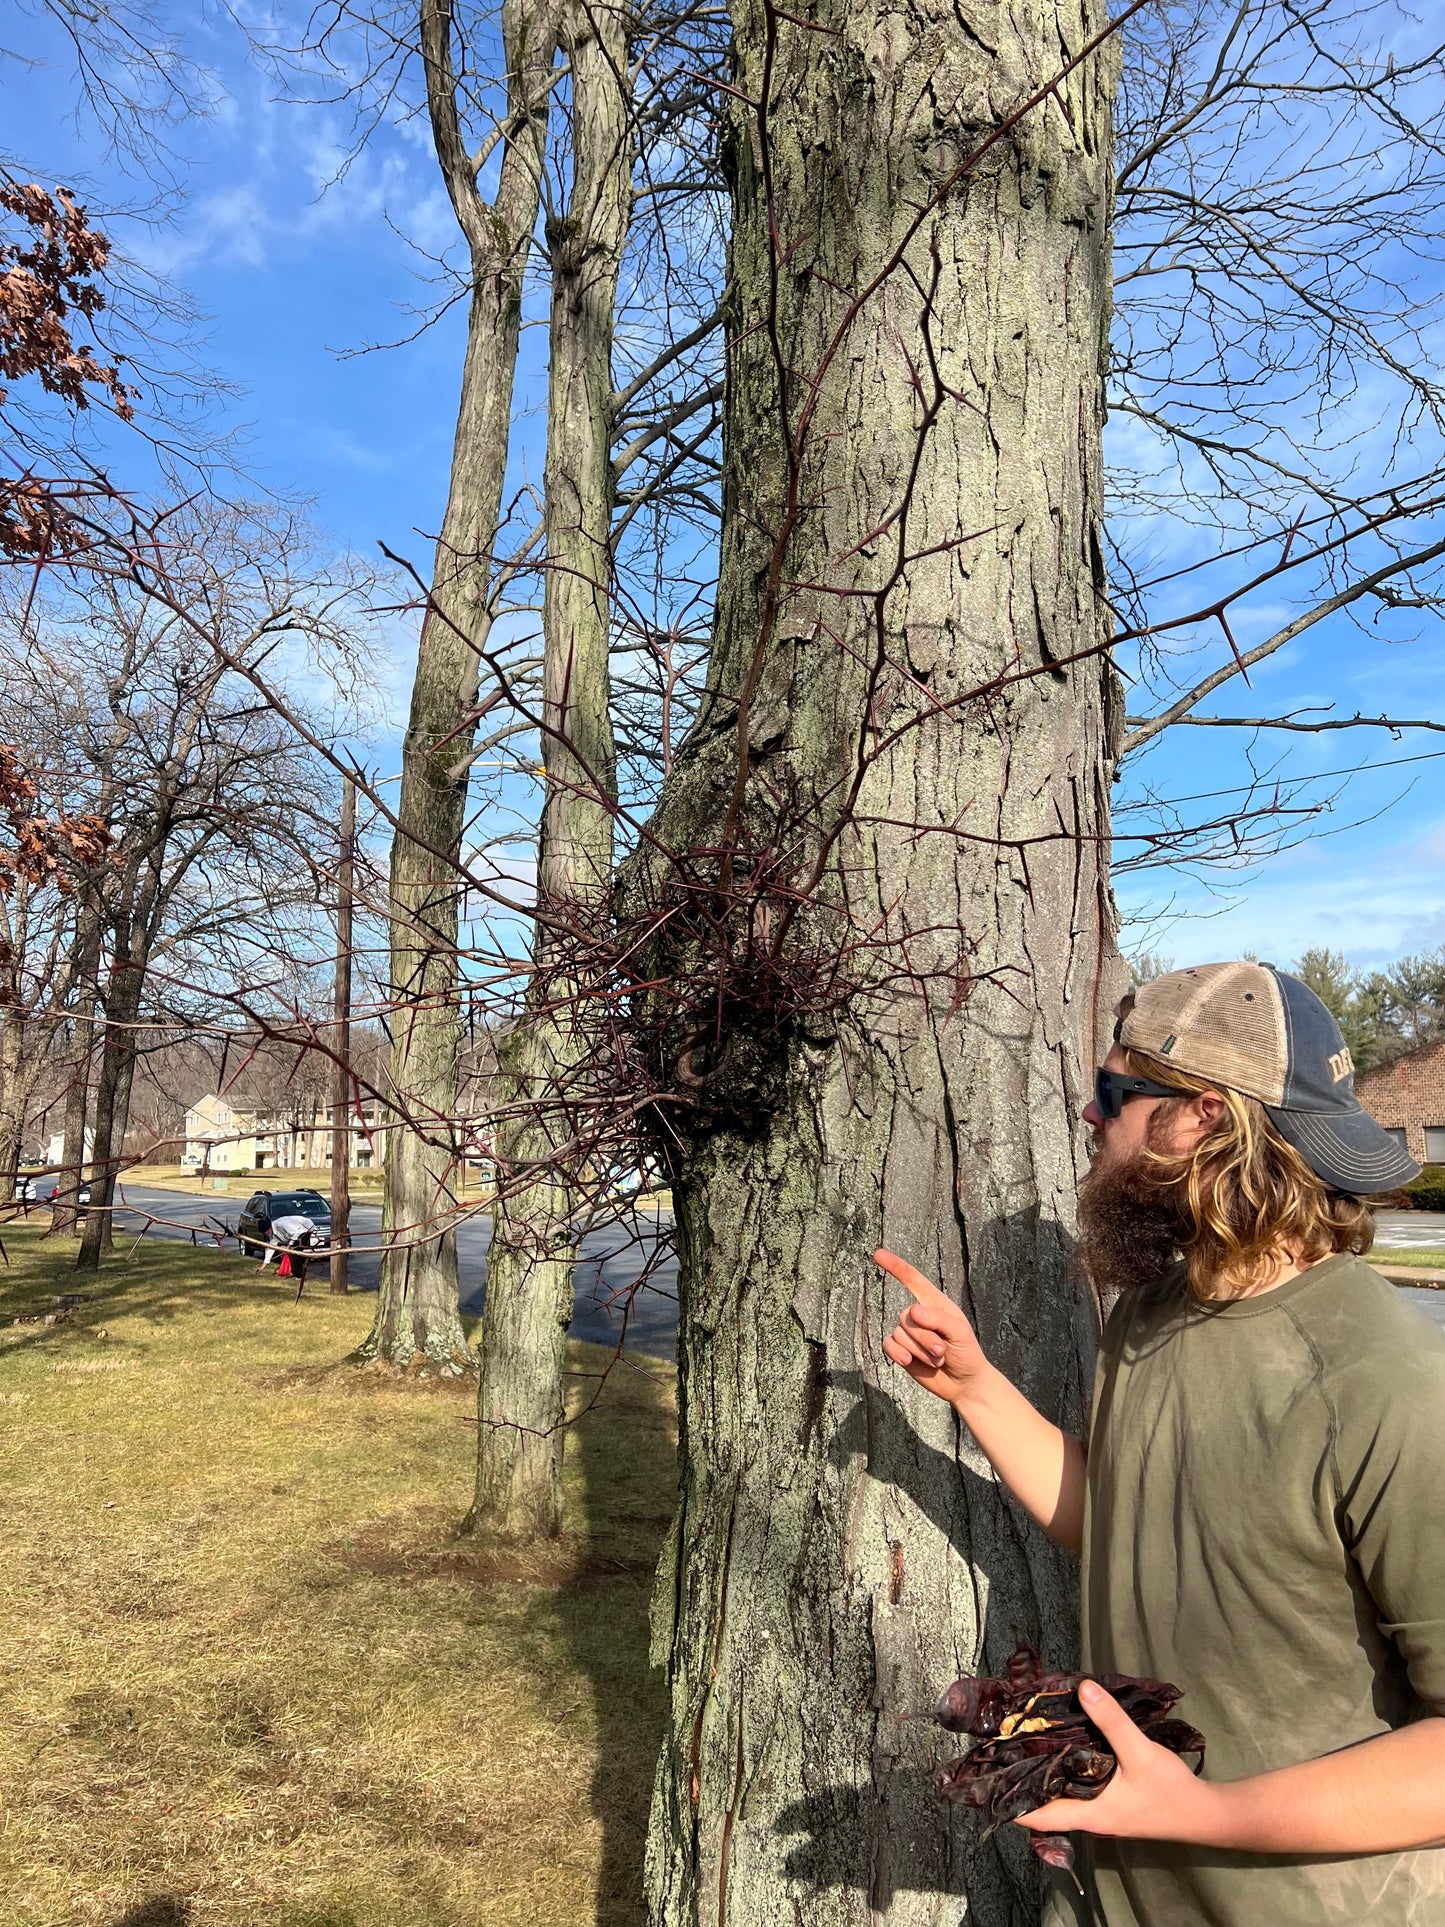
249,1673
1397,1255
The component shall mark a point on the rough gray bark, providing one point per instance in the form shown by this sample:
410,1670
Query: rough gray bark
544,1058
29,982
112,1107
13,1093
14,1086
842,1551
417,1321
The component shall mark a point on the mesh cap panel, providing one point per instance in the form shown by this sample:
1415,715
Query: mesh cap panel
1223,1021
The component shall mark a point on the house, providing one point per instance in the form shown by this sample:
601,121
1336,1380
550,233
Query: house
55,1149
1407,1097
222,1135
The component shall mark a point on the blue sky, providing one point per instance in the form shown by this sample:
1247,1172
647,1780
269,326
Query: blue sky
295,269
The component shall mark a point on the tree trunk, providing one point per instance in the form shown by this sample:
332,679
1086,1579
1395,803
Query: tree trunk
13,1093
85,963
14,1086
417,1321
341,1095
544,1059
135,924
124,988
898,793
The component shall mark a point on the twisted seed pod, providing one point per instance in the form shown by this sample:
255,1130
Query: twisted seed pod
1035,1743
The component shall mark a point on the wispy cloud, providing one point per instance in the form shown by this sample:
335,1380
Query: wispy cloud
1374,902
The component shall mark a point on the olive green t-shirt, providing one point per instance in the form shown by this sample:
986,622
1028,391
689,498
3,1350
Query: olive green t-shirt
1266,1528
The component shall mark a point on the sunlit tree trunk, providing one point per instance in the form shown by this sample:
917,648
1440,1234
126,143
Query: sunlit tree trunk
85,962
17,1071
12,1097
134,932
417,1320
112,1108
12,1033
842,1551
545,1057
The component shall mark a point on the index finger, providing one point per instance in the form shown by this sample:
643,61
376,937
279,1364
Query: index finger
911,1279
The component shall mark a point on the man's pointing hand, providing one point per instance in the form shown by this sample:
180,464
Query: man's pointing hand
932,1341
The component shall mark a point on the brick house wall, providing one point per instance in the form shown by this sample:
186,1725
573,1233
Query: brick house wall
1409,1096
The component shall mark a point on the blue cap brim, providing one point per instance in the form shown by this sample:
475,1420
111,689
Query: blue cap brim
1347,1148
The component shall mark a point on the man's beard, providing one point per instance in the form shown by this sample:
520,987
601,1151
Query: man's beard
1133,1223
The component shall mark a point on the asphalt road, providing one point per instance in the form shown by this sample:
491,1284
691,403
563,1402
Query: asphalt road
612,1260
1398,1230
1415,1231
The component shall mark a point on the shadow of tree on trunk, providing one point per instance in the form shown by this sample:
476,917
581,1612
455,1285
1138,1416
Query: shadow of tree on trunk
897,1834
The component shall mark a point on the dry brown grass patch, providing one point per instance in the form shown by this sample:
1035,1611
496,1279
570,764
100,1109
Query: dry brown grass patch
430,1546
249,1672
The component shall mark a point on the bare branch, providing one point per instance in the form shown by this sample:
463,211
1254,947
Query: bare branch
1246,659
670,354
1393,723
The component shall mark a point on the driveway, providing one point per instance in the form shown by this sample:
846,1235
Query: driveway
612,1260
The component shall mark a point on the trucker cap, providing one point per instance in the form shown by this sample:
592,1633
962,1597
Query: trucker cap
1256,1030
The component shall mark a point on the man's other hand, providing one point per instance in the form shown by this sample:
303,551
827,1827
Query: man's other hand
1153,1795
932,1341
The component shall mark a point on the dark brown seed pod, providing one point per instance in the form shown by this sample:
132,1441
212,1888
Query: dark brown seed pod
1034,1742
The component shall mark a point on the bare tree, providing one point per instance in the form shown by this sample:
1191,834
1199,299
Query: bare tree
342,1073
417,1320
1273,390
207,797
40,863
881,939
533,1247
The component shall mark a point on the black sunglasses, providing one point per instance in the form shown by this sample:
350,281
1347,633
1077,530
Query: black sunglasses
1112,1087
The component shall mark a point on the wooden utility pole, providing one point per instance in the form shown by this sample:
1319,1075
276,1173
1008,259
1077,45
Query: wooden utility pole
341,1076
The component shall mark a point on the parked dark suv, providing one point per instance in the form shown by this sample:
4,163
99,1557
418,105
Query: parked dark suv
253,1227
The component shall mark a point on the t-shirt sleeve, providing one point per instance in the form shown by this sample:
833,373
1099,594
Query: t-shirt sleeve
1390,1464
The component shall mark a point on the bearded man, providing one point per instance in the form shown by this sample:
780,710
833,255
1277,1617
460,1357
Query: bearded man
1261,1498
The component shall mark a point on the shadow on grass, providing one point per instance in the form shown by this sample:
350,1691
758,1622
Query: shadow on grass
157,1282
627,1453
161,1910
587,1592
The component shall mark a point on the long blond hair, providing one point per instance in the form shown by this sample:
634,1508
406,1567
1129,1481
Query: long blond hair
1247,1193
